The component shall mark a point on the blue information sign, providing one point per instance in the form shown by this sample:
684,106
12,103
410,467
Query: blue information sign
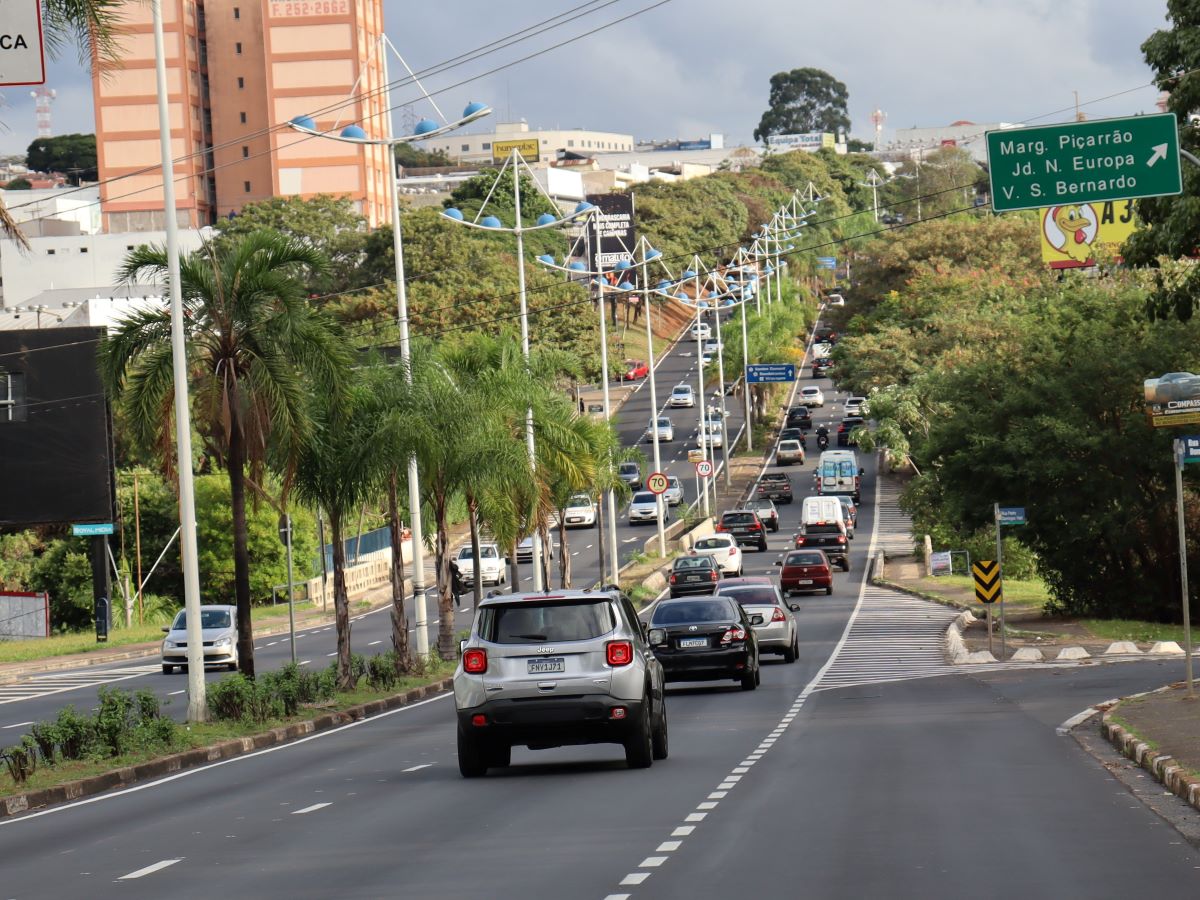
763,373
1189,444
92,529
1012,515
827,262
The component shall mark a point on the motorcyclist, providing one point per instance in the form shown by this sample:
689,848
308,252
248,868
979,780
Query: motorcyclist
822,436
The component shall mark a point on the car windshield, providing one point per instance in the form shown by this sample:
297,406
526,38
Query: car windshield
692,562
712,543
674,481
688,612
681,389
664,423
209,618
533,622
803,559
811,391
629,469
643,497
484,552
579,501
752,595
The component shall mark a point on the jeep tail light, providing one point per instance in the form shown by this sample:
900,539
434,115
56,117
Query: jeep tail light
475,661
778,616
733,551
618,653
479,720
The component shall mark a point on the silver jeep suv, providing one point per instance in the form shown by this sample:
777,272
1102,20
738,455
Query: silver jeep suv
552,669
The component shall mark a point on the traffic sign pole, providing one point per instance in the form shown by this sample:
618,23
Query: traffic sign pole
1181,458
1000,569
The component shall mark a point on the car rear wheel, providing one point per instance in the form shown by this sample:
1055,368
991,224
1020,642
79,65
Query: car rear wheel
659,743
789,655
749,679
471,760
168,670
829,590
639,752
775,526
846,564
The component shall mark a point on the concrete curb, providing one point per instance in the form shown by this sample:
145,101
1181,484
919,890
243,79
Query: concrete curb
189,759
956,647
1164,768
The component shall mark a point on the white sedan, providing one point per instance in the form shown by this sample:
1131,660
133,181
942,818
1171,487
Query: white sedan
580,512
723,548
856,406
713,436
491,564
683,395
812,396
701,330
661,424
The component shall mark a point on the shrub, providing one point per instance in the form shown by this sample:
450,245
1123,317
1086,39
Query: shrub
21,759
76,734
381,671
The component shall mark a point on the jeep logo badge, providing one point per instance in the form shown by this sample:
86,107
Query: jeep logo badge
545,650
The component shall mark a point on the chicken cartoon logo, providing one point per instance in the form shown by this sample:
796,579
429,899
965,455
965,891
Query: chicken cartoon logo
1071,230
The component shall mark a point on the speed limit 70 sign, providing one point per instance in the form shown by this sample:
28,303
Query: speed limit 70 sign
657,483
704,468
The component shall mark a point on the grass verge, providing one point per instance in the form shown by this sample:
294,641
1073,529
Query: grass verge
1133,630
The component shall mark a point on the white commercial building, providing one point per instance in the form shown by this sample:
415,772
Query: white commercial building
964,135
540,144
55,211
79,261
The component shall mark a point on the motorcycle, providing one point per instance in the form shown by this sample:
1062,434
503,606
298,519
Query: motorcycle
823,441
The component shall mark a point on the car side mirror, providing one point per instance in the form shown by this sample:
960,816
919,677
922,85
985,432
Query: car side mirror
794,607
779,562
166,629
756,619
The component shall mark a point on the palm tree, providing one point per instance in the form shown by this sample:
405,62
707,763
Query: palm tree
334,469
257,352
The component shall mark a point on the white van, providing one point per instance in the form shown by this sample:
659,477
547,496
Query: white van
822,511
838,472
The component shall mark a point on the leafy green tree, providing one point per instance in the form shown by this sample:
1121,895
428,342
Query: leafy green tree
257,351
411,157
71,154
1171,224
64,571
16,559
19,184
803,101
934,184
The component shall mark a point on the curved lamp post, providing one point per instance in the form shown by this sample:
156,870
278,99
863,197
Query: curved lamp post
621,270
425,129
493,223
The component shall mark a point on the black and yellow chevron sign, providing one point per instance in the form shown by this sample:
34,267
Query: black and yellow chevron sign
987,580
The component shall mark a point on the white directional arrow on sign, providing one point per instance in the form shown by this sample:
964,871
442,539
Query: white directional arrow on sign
1160,152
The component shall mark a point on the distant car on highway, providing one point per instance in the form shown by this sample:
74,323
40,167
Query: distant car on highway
805,571
525,549
812,396
856,406
588,642
712,436
580,512
662,424
491,565
789,452
631,474
774,486
693,575
644,508
777,632
794,434
701,331
799,417
683,395
845,432
673,495
218,630
766,511
723,548
745,526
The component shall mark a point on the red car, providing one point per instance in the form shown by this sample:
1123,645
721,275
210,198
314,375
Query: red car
635,370
805,571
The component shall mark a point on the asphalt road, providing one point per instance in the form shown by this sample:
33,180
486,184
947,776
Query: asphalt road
40,697
951,786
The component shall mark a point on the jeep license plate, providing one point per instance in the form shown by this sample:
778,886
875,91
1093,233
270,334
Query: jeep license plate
547,666
687,643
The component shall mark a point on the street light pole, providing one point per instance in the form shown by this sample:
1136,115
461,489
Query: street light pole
197,701
646,257
704,433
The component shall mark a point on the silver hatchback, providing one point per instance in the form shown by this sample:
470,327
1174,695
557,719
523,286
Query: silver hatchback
550,670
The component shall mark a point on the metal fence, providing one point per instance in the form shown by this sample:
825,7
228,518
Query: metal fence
24,615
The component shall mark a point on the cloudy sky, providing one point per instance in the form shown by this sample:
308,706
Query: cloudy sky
690,67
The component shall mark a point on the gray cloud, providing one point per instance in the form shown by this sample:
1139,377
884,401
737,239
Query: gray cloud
694,66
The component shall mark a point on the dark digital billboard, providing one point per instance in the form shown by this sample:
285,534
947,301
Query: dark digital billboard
56,462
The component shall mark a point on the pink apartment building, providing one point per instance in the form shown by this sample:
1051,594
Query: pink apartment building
236,72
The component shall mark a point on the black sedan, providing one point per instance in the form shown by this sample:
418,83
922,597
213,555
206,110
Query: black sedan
693,575
706,639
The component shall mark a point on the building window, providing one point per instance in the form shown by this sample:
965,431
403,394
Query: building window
51,252
245,152
237,13
545,141
241,82
243,117
237,48
246,186
12,397
570,143
83,249
466,148
487,146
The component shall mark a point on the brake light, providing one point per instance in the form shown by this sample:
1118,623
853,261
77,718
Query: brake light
800,539
719,527
619,653
713,575
673,578
475,661
733,551
777,615
735,633
479,720
755,527
841,539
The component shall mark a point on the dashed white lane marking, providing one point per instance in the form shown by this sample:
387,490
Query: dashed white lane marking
373,643
334,653
305,662
177,693
18,725
151,869
308,809
417,768
648,865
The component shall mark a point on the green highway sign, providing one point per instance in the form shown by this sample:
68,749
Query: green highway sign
1084,162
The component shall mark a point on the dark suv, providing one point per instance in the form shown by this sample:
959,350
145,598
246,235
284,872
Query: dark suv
745,526
549,670
774,486
799,417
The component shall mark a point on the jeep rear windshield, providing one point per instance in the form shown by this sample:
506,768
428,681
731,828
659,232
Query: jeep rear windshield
746,518
690,612
536,623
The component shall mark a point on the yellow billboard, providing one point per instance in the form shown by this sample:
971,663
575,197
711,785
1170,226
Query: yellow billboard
1070,233
527,147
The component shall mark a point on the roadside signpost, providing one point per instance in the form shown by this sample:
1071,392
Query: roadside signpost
826,262
1084,162
657,483
988,588
704,468
1187,450
1011,515
92,529
940,563
695,456
764,373
22,58
1172,399
1005,515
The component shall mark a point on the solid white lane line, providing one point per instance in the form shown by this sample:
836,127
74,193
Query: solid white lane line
18,725
151,869
417,768
308,809
177,693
